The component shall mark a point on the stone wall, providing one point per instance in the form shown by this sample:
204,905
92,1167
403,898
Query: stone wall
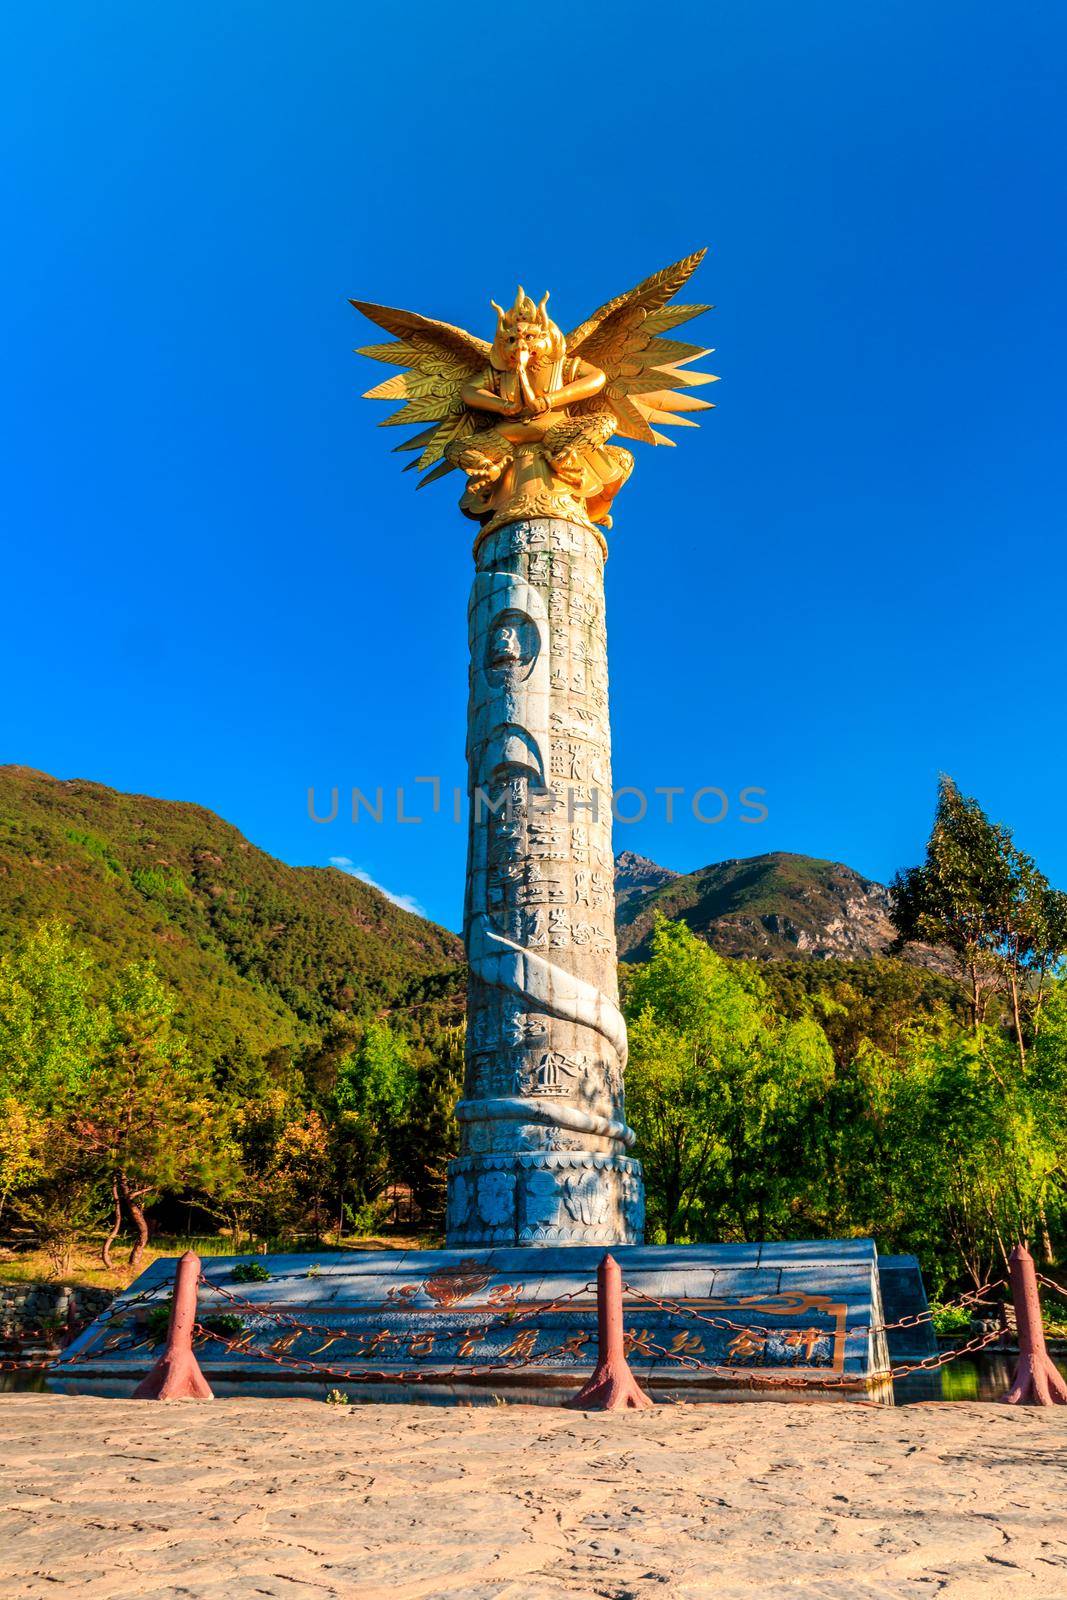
25,1307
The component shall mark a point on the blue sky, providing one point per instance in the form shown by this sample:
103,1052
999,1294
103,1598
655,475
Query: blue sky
220,588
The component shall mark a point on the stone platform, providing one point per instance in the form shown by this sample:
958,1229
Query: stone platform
520,1324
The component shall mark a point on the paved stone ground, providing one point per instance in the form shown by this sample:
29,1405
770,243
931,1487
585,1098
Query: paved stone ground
295,1499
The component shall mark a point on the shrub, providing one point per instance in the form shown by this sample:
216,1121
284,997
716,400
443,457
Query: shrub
225,1325
250,1272
950,1319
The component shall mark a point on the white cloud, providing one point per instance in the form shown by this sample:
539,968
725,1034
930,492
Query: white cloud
406,902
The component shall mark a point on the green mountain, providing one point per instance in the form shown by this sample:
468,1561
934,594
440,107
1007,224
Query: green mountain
777,907
262,954
267,956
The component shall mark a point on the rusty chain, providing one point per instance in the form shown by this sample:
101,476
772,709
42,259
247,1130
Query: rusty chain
15,1365
830,1380
571,1346
914,1320
971,1297
508,1318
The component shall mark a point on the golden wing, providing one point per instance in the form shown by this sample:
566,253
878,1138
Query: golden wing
441,359
646,381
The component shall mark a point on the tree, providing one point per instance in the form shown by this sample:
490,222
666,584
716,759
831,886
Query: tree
429,1136
986,900
19,1159
147,1119
875,1002
50,1027
264,1196
974,1155
376,1079
299,1172
1033,939
672,1003
953,899
376,1086
721,1093
62,1202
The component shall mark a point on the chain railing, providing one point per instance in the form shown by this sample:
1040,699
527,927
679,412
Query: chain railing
287,1362
754,1377
507,1317
915,1319
1050,1283
177,1371
125,1344
468,1338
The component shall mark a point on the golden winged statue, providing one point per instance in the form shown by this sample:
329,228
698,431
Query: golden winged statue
528,418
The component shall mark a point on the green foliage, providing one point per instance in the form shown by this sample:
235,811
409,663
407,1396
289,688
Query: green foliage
984,899
250,1272
427,1137
50,1027
369,1218
149,1121
101,1096
19,1148
155,884
157,1321
62,1205
95,846
257,1040
721,1091
289,1059
224,1325
261,957
953,899
865,1004
918,1131
977,1152
950,1319
376,1079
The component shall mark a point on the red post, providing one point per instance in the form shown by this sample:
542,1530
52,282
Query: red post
1037,1379
176,1375
612,1386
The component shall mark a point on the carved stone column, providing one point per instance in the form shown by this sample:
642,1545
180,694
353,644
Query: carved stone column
542,1124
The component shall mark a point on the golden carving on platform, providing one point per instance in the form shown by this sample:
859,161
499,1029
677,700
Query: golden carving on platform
457,1282
528,417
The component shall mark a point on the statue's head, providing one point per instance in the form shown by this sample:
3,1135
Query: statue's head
525,335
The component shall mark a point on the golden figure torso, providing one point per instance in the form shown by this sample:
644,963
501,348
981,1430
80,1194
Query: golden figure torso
537,455
528,418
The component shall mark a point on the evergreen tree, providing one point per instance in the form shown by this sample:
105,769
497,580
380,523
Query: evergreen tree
985,900
147,1118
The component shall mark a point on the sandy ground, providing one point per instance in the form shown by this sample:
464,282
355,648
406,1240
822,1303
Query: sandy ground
296,1499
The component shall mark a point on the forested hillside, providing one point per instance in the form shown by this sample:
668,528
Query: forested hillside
260,955
188,1027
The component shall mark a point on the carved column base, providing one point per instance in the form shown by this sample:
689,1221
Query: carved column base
546,1197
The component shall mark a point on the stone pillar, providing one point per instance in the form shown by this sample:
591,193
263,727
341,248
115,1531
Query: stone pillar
543,1136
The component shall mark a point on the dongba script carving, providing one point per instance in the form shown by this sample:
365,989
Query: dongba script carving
528,418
